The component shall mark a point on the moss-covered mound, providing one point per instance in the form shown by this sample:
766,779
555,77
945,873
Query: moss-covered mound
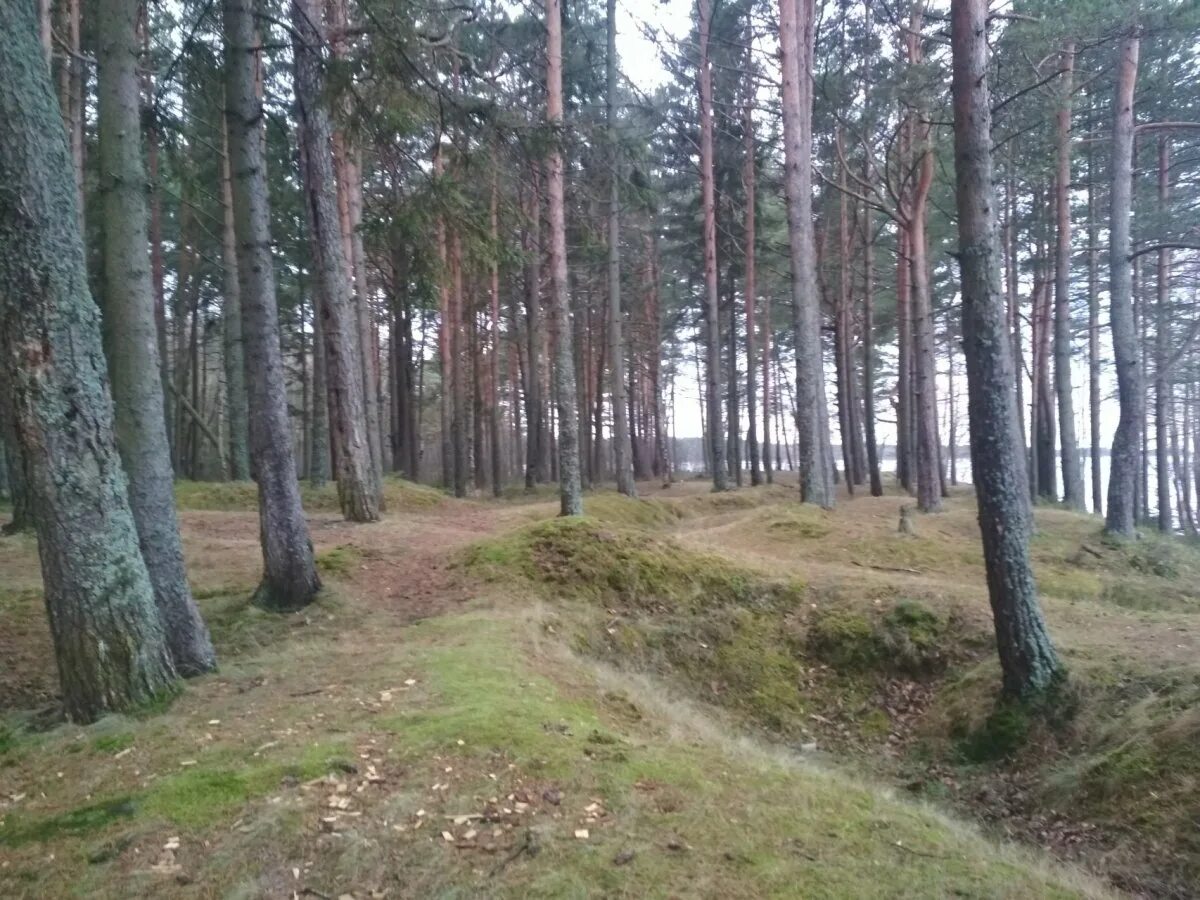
731,635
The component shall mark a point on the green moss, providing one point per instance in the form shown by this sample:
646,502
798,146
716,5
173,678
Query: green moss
582,558
112,743
760,669
203,794
875,725
640,512
338,561
913,639
82,821
1001,735
843,639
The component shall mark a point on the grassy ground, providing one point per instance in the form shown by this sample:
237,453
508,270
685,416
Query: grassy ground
489,702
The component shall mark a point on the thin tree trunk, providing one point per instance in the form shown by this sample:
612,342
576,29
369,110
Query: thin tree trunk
622,448
1093,331
570,486
928,446
290,577
357,492
1162,347
796,27
133,362
494,401
1027,658
905,469
108,638
712,314
1072,472
534,426
458,380
1123,465
231,321
751,288
766,329
868,332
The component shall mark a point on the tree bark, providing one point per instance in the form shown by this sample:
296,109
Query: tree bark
231,323
133,362
622,448
290,577
109,641
1093,332
570,486
928,446
494,369
815,456
1027,658
1162,348
751,286
1072,471
535,451
712,313
356,482
1123,463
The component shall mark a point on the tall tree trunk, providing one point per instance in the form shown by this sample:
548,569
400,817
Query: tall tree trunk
534,426
356,483
905,467
1027,658
445,331
318,459
928,446
157,269
1123,461
1093,330
231,322
751,287
1072,472
109,641
868,332
796,49
570,486
712,313
622,448
290,577
1162,348
768,468
73,92
1012,298
494,398
133,362
458,379
366,322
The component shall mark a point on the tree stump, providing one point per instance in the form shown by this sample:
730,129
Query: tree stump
907,523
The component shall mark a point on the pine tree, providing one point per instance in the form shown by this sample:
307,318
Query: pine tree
109,642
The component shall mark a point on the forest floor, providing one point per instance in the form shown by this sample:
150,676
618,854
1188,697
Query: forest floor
687,695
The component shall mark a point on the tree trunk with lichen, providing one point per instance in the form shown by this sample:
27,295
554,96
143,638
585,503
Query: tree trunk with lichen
109,642
1027,658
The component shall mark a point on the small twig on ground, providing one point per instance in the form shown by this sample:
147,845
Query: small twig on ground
886,568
